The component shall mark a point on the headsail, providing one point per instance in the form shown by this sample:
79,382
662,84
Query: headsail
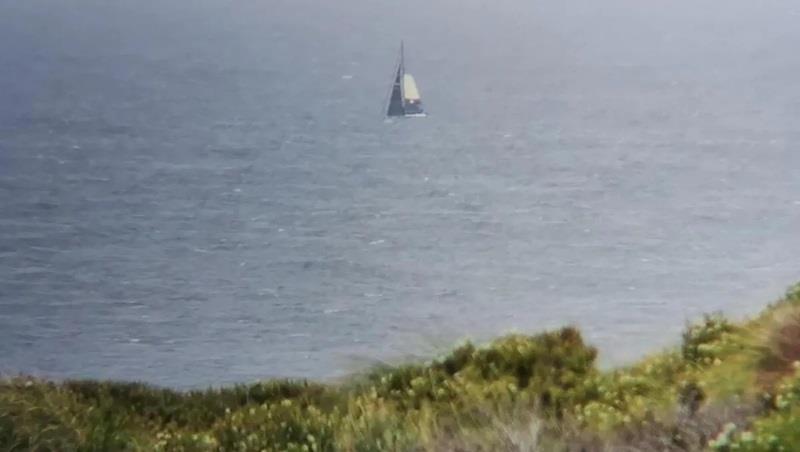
410,90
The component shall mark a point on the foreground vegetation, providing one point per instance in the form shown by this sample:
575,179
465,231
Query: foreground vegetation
728,387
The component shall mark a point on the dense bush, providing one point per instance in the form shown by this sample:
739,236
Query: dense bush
702,342
778,431
518,392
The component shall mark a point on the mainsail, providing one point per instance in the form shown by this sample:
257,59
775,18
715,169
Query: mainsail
396,101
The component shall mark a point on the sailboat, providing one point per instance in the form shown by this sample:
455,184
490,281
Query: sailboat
405,99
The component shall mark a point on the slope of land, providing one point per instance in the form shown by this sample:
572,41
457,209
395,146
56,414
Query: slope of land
728,386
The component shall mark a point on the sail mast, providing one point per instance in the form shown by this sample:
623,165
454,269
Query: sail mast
402,71
402,59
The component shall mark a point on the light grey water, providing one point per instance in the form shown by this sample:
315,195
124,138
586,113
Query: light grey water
206,192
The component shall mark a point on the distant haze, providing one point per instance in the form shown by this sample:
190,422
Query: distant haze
206,192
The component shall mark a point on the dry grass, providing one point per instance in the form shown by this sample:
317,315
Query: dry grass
781,348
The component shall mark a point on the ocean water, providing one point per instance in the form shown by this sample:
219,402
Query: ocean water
200,193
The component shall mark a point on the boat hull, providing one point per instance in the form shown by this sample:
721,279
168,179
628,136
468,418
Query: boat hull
413,108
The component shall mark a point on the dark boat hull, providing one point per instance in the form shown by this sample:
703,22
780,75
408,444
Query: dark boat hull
413,109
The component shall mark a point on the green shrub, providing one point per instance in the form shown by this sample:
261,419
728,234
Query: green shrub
283,426
45,417
195,409
517,392
702,342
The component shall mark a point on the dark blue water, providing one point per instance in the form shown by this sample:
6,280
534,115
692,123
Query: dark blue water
206,192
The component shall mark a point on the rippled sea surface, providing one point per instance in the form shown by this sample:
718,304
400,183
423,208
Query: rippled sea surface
200,193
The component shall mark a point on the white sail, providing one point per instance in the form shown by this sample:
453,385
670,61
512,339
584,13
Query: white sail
410,91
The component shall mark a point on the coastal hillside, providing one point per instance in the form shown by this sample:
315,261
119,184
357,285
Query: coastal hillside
727,386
